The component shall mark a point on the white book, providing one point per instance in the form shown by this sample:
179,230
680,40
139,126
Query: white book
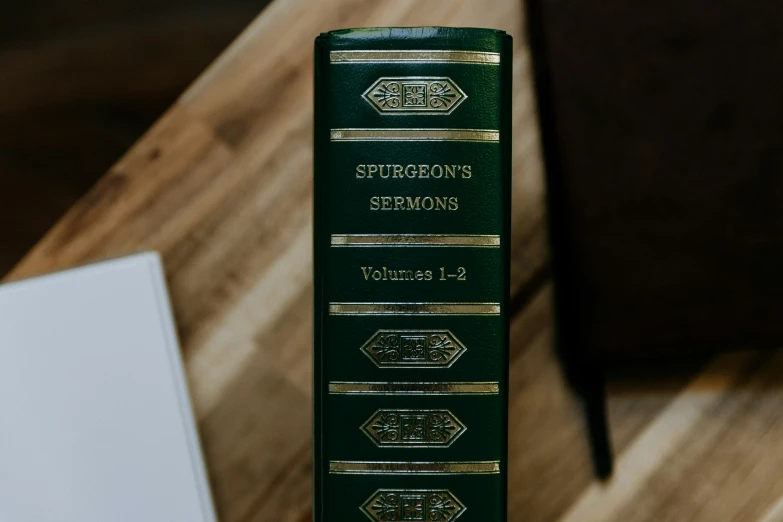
95,420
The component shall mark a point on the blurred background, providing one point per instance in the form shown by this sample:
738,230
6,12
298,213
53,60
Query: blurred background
80,82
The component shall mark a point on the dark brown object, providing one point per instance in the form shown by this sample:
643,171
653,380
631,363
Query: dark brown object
663,138
80,82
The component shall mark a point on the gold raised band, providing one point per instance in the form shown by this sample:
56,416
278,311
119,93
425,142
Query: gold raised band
414,388
470,135
405,240
414,308
414,468
440,56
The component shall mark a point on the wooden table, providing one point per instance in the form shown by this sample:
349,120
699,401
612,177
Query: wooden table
221,185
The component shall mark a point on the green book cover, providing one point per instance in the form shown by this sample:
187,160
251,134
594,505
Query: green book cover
411,230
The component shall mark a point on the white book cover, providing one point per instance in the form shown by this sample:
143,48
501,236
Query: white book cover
95,420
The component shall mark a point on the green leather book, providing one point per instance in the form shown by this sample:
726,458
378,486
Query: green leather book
412,219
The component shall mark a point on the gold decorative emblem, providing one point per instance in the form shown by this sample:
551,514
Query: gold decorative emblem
413,428
414,95
398,505
413,348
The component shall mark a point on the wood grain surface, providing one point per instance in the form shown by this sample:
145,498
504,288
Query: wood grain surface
221,185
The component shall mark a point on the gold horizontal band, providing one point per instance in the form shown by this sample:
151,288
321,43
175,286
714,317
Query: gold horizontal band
470,135
414,468
404,240
440,56
414,388
414,308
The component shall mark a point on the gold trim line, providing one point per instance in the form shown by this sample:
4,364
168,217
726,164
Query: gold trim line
414,388
405,240
343,467
439,56
469,135
414,308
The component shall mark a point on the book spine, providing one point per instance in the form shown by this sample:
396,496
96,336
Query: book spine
411,230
